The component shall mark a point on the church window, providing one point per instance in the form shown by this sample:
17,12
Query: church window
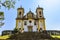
40,12
30,21
40,28
35,23
19,28
19,13
23,28
25,23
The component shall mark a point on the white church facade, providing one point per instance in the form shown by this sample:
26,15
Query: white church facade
30,21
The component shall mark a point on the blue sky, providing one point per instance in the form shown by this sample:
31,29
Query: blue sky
51,13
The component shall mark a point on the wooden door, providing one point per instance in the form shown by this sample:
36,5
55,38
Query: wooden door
30,28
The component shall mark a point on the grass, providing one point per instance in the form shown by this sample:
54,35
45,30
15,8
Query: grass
55,36
4,37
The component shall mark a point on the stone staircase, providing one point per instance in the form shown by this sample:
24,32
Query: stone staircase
31,36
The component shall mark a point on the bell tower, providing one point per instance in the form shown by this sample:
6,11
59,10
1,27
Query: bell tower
20,12
40,16
39,12
19,21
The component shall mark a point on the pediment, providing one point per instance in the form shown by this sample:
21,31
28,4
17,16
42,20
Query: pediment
29,15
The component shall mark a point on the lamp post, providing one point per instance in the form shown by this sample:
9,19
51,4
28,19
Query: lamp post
1,18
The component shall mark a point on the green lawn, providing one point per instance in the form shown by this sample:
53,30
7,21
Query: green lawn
55,36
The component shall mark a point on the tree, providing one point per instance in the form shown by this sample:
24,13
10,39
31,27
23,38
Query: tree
1,18
7,3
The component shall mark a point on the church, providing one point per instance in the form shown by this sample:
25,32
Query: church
30,22
31,25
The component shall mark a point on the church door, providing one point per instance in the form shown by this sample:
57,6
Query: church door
30,28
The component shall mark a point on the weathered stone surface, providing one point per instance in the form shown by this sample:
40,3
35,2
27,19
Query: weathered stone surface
31,36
